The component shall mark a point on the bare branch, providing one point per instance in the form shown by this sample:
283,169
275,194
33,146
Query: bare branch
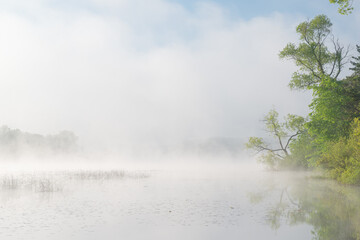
291,138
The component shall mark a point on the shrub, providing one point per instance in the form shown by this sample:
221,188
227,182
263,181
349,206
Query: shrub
342,158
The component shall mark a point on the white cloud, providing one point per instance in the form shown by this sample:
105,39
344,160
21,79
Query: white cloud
156,73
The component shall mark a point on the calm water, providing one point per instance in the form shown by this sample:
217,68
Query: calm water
223,204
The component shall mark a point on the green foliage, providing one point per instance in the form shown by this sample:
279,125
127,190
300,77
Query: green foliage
329,139
334,107
294,123
356,63
314,31
342,158
256,143
312,54
284,133
330,118
303,152
345,6
272,124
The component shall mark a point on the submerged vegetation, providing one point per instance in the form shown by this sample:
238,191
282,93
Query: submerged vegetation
329,137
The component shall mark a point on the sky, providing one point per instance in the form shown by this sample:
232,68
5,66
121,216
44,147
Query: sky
127,72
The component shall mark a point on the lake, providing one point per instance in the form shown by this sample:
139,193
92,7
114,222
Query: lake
218,203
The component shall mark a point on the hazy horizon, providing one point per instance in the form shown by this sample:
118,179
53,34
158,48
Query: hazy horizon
120,73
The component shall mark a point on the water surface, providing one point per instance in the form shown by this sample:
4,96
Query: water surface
176,204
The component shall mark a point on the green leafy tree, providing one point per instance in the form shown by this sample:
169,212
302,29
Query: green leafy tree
336,102
356,63
342,158
352,85
335,105
313,56
345,6
303,151
284,133
330,117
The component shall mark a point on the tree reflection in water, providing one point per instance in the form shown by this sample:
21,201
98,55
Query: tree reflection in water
332,209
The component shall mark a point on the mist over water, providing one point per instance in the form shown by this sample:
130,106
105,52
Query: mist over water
205,201
53,189
127,120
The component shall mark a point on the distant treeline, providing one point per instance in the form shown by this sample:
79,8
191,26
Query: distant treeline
16,142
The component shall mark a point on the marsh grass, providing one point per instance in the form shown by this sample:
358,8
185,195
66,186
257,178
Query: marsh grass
47,185
10,182
95,175
55,181
104,175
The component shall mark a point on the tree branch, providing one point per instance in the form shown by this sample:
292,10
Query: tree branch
291,137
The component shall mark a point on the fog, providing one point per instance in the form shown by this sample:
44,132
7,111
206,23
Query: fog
95,68
124,75
128,119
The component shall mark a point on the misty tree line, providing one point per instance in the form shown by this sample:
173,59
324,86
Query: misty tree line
329,137
14,141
